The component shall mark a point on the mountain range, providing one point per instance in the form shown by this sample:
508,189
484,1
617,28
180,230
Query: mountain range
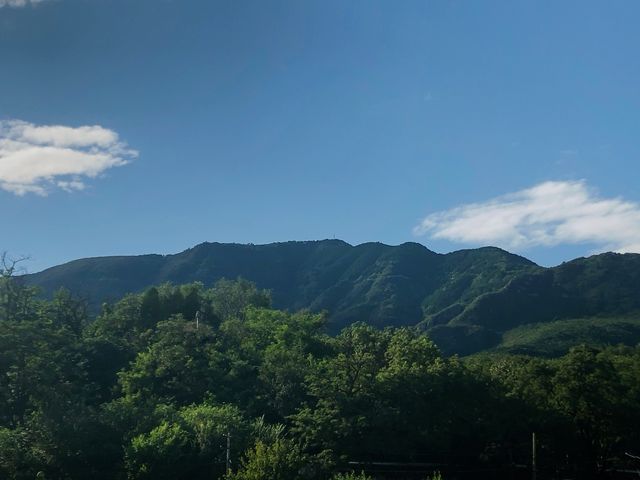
467,301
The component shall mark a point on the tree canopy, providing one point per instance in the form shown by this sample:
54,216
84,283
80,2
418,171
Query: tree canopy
159,383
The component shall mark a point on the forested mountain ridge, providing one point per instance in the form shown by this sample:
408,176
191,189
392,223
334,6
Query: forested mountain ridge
466,299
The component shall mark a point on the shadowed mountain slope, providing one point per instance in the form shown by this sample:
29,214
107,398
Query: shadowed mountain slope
466,299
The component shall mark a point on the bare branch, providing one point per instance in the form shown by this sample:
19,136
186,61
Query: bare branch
9,265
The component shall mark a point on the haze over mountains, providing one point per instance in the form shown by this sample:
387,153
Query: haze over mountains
468,300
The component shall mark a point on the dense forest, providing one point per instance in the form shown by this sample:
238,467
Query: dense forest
466,301
188,382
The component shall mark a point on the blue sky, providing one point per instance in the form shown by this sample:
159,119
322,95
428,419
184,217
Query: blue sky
147,126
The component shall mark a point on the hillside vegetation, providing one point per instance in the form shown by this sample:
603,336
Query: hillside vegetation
465,300
554,339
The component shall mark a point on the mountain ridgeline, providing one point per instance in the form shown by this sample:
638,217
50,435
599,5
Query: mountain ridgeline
466,300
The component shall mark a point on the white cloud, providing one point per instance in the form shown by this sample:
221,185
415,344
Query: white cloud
35,159
548,214
18,3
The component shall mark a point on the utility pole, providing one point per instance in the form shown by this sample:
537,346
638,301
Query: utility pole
534,467
228,452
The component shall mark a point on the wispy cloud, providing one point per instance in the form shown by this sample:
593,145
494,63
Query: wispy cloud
548,214
19,3
569,152
37,159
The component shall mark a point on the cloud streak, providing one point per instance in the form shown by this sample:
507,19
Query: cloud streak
547,214
19,3
38,159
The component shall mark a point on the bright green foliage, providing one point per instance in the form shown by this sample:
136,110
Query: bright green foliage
191,443
280,460
351,476
180,365
159,454
268,357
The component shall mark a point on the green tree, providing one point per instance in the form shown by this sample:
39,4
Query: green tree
587,390
230,298
343,389
18,459
181,365
189,444
281,460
